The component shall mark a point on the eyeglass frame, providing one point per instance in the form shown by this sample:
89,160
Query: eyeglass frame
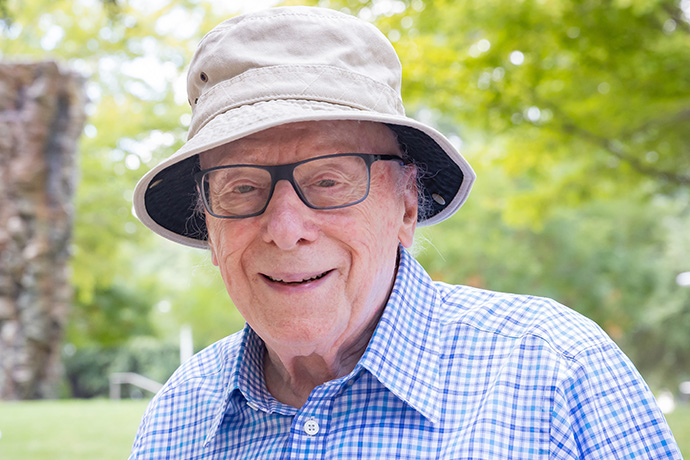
286,172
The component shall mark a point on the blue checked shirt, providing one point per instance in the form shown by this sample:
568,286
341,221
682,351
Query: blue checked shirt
451,372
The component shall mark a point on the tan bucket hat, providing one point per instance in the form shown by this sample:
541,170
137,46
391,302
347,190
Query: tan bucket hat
285,65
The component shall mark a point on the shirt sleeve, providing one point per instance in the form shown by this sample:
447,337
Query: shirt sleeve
140,449
603,409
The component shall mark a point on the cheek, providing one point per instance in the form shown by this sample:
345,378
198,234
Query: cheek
228,241
385,211
373,235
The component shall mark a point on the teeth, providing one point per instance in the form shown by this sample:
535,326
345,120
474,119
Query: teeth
278,280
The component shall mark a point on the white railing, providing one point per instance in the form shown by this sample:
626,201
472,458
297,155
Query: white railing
117,379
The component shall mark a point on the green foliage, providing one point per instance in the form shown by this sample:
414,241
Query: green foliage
588,99
114,314
575,115
573,112
133,56
87,370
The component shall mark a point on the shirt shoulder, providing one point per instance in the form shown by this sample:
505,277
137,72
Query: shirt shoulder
213,361
183,413
566,331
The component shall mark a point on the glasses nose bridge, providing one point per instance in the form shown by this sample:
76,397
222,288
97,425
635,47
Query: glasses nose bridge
285,172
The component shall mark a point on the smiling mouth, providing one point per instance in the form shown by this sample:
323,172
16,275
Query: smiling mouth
296,283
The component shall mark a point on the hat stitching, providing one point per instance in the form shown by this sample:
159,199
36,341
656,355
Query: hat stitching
309,109
313,80
285,97
290,69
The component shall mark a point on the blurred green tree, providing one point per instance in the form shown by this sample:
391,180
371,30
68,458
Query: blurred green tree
587,98
574,113
134,55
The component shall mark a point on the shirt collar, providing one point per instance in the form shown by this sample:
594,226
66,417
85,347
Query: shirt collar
404,351
247,360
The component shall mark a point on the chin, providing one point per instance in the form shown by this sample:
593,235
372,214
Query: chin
303,334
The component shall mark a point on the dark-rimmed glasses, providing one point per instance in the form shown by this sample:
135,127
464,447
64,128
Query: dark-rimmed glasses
325,182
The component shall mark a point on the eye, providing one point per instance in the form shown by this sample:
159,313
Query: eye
239,188
325,178
325,183
244,188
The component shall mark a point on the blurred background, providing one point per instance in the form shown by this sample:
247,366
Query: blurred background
575,115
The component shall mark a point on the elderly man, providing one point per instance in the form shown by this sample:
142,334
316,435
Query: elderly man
305,179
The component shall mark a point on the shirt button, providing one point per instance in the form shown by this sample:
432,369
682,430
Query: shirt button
311,427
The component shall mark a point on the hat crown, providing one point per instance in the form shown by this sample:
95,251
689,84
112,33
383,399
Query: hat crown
293,53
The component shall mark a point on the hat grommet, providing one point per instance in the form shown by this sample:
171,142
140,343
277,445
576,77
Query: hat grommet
439,199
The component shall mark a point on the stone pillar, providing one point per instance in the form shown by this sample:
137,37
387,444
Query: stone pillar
42,113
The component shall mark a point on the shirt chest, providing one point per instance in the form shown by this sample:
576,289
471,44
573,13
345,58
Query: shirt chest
364,419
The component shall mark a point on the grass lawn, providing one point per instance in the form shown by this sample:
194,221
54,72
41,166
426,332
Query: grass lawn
69,429
104,430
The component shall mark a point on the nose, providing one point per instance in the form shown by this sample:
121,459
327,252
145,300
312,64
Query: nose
287,221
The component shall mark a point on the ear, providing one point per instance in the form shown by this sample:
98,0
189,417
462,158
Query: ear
211,246
214,258
410,204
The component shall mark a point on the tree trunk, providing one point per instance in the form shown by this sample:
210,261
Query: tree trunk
42,113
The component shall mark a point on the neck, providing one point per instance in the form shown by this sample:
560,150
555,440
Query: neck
290,377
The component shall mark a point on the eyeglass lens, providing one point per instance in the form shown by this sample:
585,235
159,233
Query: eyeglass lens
322,183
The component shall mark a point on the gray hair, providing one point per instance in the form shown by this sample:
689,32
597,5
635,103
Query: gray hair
424,208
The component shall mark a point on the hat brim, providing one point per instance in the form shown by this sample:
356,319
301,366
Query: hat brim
165,199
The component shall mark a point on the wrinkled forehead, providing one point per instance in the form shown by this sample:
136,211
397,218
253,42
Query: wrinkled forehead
298,141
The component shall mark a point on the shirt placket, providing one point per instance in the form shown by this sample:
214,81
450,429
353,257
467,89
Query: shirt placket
310,427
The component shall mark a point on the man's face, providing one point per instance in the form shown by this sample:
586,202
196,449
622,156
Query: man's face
314,279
